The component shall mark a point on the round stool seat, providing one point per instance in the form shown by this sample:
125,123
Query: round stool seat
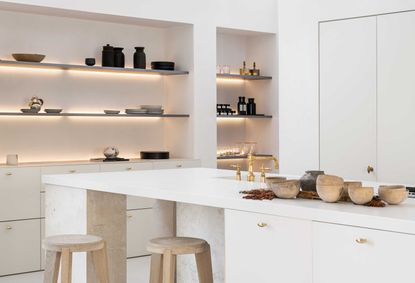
75,243
177,245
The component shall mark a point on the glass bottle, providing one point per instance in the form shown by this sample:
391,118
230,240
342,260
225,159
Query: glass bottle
241,106
251,107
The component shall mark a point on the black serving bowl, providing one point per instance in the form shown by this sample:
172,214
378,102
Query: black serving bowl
162,65
154,155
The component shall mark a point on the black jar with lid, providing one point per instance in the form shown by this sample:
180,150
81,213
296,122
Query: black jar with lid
119,58
139,58
251,107
107,56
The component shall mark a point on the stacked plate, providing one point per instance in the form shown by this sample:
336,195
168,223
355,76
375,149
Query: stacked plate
162,65
135,111
152,109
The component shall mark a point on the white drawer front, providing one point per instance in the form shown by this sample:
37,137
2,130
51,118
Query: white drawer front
139,231
171,164
113,167
19,246
19,193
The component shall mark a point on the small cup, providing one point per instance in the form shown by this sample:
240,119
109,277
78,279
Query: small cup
12,159
90,61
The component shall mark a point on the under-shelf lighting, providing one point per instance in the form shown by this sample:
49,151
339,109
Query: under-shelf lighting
112,73
30,70
230,80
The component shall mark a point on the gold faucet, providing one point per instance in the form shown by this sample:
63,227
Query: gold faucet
238,171
252,158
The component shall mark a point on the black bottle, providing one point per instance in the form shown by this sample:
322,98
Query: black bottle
108,56
251,107
241,106
139,58
119,58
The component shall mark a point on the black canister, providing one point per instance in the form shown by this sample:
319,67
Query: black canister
139,58
241,106
107,56
251,107
119,58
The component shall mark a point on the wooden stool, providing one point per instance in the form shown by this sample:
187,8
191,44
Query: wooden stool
163,258
60,248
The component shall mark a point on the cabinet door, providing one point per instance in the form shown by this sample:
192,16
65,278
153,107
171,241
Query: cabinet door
348,97
396,98
171,164
381,256
19,246
139,231
19,193
280,251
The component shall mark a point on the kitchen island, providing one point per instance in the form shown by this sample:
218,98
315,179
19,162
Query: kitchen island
266,241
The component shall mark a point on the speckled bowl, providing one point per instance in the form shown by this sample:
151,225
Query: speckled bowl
348,185
361,195
393,194
270,180
329,187
286,189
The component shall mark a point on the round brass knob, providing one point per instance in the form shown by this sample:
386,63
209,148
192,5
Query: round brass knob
179,166
262,225
370,169
129,168
9,173
361,240
8,227
72,171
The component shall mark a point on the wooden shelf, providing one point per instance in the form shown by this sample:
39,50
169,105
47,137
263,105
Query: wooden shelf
97,69
94,115
244,116
241,77
231,157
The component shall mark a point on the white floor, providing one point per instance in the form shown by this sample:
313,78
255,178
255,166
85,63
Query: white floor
137,272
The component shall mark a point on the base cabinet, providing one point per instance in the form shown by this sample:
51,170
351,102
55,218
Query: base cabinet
267,249
345,254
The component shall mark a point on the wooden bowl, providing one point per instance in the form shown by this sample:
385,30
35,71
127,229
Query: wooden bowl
361,195
329,187
35,58
348,185
286,189
393,194
270,180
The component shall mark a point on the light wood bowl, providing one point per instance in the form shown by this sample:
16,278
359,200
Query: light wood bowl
329,187
35,58
361,195
270,180
349,184
286,189
393,194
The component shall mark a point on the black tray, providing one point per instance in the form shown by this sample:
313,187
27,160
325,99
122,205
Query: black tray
154,155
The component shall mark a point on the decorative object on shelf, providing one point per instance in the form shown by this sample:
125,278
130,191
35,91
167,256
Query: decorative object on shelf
393,194
286,189
254,71
139,58
244,71
113,112
162,65
27,57
111,152
90,62
119,57
152,109
29,111
251,107
309,179
241,106
135,111
53,111
360,195
154,155
107,56
36,103
329,187
224,109
12,159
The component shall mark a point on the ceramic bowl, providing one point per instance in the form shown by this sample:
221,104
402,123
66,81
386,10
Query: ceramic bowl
329,187
35,58
270,180
112,112
286,189
361,195
53,111
349,184
29,110
393,194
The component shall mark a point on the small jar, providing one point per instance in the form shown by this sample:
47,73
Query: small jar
107,56
139,58
119,58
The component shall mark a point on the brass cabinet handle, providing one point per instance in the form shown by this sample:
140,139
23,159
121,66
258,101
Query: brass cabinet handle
9,173
8,227
129,216
72,171
370,169
129,168
262,225
179,166
361,240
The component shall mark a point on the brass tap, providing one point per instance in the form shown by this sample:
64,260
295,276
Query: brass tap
263,176
238,171
252,158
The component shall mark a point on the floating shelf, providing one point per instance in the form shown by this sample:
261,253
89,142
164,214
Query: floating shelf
97,69
245,116
243,77
231,157
94,115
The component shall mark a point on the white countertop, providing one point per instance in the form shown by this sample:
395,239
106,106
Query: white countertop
217,188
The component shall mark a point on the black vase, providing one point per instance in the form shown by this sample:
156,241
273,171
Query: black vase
139,58
108,56
119,58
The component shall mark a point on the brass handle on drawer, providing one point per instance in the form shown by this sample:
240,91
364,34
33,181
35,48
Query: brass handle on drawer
361,240
8,227
129,168
129,216
370,169
9,173
179,166
72,171
262,225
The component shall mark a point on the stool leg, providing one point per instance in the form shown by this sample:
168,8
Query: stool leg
204,266
169,268
66,270
101,264
156,268
52,263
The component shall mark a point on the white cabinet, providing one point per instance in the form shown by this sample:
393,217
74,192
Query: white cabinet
19,246
345,254
348,97
139,231
396,98
171,164
267,249
19,193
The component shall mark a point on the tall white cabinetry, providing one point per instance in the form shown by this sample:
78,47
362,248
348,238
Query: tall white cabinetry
367,97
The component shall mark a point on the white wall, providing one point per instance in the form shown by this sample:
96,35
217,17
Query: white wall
299,82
